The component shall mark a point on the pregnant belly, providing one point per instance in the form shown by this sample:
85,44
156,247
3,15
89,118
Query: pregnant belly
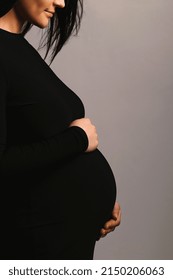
92,188
84,188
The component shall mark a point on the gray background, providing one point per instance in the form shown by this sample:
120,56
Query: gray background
121,65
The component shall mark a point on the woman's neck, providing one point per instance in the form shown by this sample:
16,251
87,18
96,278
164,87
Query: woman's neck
11,22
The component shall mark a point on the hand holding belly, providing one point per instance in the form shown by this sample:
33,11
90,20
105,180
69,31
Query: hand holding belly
90,131
114,222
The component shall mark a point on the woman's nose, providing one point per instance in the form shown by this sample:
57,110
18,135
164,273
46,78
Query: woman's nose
59,3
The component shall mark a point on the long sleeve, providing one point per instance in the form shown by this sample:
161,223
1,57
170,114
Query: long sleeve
45,173
18,158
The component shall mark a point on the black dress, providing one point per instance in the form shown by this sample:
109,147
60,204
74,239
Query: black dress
54,197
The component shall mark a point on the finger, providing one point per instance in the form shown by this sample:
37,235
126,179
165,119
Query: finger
118,218
111,224
103,231
106,231
116,210
118,221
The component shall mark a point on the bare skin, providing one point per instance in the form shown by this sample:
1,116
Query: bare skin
39,13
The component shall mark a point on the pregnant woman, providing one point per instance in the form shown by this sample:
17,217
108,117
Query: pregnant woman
57,190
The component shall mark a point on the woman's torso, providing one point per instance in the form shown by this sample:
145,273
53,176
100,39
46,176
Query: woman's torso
39,105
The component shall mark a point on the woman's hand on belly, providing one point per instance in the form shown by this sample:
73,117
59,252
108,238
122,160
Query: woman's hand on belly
90,131
115,221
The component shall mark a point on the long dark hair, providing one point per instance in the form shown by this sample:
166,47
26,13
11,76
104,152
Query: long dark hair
63,24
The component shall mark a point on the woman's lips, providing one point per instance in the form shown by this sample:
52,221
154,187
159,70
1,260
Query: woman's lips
50,13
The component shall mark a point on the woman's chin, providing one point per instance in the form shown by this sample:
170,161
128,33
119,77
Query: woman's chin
42,24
